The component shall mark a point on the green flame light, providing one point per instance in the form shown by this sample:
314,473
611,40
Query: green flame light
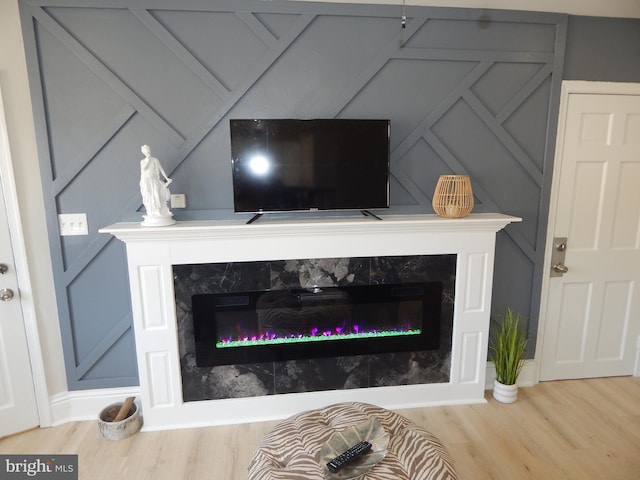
316,338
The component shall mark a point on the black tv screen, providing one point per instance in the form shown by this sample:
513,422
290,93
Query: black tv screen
298,165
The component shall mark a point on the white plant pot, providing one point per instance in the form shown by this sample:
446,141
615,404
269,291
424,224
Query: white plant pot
505,393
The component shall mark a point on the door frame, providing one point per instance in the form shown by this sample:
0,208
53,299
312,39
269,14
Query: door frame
21,264
570,87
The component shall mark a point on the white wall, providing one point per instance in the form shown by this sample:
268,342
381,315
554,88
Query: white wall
17,102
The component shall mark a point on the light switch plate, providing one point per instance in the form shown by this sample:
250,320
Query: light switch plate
73,224
178,200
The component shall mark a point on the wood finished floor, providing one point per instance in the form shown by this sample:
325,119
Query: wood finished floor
574,429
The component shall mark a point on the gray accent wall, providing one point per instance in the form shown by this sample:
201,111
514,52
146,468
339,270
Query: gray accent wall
467,91
603,49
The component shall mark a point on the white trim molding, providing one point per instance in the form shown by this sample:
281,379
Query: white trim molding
636,368
586,87
570,87
528,376
86,405
21,264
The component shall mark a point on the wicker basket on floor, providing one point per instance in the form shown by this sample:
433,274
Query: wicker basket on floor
453,197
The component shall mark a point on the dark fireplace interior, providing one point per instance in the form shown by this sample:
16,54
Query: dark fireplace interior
357,323
278,325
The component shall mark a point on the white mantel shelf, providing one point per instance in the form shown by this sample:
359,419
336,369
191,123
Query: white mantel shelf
152,251
133,231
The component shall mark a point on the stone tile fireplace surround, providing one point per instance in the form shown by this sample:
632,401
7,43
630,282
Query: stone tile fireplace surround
153,252
401,366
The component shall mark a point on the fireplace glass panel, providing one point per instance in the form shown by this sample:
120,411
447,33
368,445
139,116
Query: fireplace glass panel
274,325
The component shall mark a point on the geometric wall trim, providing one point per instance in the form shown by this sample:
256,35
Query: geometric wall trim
467,91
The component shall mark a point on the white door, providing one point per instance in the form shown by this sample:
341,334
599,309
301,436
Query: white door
592,319
18,408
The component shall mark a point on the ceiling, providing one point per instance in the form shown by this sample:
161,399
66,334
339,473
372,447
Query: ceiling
596,8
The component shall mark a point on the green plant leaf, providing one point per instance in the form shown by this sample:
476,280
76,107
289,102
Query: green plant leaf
507,344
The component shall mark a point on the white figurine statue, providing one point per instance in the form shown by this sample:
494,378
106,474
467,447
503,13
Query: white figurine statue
154,187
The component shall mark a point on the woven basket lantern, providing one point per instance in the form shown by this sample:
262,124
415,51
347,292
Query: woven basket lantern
453,197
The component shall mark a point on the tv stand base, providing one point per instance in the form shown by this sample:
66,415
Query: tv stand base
367,213
254,218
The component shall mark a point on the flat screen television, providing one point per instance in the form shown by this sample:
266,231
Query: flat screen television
304,165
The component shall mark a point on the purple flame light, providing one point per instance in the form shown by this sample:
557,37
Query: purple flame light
335,333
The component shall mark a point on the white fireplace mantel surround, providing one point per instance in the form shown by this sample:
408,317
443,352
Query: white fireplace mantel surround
151,252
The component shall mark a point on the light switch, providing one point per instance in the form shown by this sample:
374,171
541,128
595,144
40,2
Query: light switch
73,224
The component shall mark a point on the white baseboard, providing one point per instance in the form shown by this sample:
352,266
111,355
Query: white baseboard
528,376
86,404
636,365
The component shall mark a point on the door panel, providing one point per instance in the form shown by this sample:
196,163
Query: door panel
610,338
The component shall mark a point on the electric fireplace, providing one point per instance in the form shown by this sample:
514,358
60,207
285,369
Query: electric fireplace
161,308
278,325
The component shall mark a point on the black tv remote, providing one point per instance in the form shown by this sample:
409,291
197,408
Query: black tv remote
348,456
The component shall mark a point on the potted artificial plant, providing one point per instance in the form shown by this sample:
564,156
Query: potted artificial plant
507,344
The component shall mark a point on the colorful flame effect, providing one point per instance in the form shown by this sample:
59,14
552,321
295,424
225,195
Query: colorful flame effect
315,336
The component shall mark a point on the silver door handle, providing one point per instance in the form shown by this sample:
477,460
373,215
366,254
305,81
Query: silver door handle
560,268
6,294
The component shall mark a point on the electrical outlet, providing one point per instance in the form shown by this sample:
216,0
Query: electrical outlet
73,224
178,200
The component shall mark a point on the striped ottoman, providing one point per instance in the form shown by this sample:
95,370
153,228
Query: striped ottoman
291,450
